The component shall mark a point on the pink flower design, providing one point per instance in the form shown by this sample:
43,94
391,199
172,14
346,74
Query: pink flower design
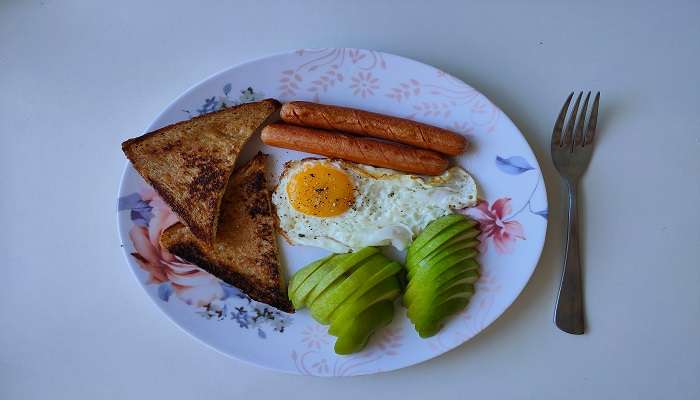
289,83
494,225
326,80
390,341
405,90
314,336
321,367
364,84
484,113
355,55
191,284
462,127
487,283
441,109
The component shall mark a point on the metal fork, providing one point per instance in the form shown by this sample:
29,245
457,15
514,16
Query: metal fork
571,153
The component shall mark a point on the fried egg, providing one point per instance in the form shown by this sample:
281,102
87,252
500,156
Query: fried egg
342,206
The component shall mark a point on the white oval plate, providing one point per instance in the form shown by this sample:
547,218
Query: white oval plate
513,213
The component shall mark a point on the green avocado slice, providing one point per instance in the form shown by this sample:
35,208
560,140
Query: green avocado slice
388,289
437,257
355,335
314,277
458,274
429,271
445,235
432,325
464,241
333,297
339,268
419,310
433,229
391,269
301,275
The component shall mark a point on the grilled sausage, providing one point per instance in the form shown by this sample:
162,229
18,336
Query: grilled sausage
352,148
367,123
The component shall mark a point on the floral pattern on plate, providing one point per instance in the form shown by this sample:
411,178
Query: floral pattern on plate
210,297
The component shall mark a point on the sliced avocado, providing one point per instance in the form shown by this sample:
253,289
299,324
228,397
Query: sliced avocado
433,229
340,267
439,279
438,257
467,272
441,264
466,269
420,308
302,292
391,269
468,277
455,275
333,297
450,247
442,237
466,237
356,334
434,277
436,319
301,275
388,289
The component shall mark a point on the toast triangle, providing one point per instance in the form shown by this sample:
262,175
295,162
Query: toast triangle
244,252
189,163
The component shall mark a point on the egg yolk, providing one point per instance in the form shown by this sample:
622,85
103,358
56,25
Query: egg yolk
320,190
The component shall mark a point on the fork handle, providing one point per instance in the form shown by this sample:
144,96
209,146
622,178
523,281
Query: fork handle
568,315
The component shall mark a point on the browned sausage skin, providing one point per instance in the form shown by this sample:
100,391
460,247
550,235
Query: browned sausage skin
367,123
357,149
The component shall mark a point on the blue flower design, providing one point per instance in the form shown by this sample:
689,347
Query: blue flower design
140,211
165,289
210,104
240,315
541,213
515,165
230,291
216,103
251,316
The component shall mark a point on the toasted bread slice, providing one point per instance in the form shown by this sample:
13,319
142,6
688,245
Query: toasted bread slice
189,163
244,252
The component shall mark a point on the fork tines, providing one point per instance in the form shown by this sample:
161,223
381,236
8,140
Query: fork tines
573,135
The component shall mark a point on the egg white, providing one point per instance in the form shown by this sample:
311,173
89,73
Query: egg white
390,207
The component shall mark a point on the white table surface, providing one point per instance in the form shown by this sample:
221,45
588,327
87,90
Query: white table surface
77,78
